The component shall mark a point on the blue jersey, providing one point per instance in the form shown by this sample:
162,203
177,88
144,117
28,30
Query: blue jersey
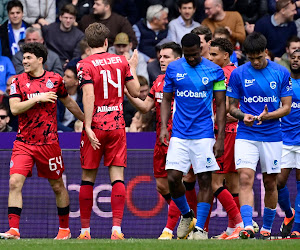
193,86
290,124
255,89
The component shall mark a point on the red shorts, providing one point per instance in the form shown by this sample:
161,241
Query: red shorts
159,161
226,161
113,147
48,160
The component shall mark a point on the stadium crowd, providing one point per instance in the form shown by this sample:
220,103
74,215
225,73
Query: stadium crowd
232,38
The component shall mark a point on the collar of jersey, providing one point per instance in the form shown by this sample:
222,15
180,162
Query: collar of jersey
32,77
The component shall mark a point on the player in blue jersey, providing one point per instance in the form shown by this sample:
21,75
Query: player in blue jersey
195,81
258,86
290,125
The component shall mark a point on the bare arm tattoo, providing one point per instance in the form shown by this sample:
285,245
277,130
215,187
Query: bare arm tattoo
234,110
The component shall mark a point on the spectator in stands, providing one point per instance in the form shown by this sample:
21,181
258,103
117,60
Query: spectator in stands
85,50
152,30
13,30
3,11
6,71
63,38
126,8
83,7
184,23
292,44
123,46
41,12
53,62
205,37
65,119
217,17
279,27
4,119
102,13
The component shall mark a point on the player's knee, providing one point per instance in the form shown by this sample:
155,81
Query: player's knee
204,180
58,187
270,185
162,189
15,184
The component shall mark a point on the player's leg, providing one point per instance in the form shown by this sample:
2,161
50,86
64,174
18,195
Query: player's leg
63,208
189,182
288,161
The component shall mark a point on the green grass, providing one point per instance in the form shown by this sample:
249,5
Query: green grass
145,244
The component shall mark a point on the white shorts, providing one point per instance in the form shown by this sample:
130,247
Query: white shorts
198,152
290,157
248,153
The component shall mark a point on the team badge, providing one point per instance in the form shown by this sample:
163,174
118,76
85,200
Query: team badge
13,88
28,85
273,85
49,84
209,162
1,68
205,80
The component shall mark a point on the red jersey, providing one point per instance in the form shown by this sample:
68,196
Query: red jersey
156,93
38,125
108,73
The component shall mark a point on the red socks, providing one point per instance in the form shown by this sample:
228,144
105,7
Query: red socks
173,216
117,201
14,214
236,200
86,203
63,215
191,197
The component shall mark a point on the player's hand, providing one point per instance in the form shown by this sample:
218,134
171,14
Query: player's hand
93,139
218,148
47,97
164,137
262,116
230,118
249,120
133,62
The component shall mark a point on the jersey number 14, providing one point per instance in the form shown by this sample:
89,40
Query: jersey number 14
107,79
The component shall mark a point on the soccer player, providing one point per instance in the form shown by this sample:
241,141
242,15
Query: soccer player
290,125
102,77
169,52
258,87
195,80
220,51
33,97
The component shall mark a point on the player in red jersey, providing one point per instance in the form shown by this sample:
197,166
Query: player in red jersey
102,77
220,51
33,97
168,52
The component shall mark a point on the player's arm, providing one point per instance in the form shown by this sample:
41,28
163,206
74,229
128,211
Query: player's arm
18,107
143,106
133,86
220,100
284,110
238,114
165,112
73,107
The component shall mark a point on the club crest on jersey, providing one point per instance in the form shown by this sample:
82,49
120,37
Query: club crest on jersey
1,68
28,85
209,162
49,84
13,88
273,85
205,80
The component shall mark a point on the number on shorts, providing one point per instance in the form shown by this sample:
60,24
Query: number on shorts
53,162
107,79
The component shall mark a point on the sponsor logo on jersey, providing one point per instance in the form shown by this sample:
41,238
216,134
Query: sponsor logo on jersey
82,143
229,89
273,85
30,96
58,172
159,96
172,163
106,61
257,99
49,84
180,76
28,85
205,80
249,83
11,164
240,161
13,89
107,109
295,105
158,84
190,93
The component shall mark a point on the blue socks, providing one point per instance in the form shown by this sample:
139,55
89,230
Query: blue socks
296,226
284,201
202,213
182,204
268,218
246,213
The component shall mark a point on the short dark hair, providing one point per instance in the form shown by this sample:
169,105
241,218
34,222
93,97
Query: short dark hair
181,2
223,31
190,39
73,69
95,34
83,45
69,9
38,49
292,39
14,3
255,43
4,107
203,30
281,4
175,47
223,44
142,80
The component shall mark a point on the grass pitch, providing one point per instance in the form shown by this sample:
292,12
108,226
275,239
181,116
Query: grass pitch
145,244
